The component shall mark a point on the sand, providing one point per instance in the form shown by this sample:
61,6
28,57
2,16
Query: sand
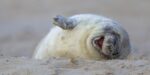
62,66
23,23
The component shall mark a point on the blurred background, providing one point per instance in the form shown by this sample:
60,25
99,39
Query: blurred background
23,23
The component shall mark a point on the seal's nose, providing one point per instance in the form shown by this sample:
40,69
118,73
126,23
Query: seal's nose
115,53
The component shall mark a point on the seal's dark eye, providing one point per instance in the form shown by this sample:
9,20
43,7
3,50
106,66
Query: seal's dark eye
99,42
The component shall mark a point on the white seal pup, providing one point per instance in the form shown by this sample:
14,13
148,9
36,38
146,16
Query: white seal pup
85,36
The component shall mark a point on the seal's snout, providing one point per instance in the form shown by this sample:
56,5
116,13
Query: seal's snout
110,52
111,46
107,45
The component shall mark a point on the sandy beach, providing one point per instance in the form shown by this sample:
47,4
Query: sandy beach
61,66
23,23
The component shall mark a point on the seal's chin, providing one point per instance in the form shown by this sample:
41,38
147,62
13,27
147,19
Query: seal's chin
110,56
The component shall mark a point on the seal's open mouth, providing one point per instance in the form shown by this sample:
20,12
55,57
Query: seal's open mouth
99,45
99,41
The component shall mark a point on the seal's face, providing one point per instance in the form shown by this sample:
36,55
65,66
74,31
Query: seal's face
107,45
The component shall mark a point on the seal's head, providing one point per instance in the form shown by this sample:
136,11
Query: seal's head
108,43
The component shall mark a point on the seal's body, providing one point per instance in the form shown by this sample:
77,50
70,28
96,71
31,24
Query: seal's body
85,36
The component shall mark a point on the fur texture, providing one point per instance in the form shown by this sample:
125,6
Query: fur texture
77,42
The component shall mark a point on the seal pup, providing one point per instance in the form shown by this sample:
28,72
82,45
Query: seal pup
84,36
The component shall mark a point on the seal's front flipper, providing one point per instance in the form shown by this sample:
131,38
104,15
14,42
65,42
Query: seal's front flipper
64,23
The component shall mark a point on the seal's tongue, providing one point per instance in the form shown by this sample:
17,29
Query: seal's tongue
99,42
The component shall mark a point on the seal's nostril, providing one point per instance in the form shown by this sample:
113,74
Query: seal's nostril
109,47
110,50
115,53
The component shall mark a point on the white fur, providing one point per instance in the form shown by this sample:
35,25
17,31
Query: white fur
76,43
